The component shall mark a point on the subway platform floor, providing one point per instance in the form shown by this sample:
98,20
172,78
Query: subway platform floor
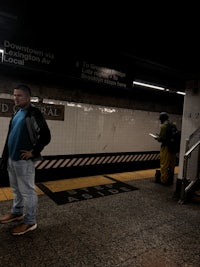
115,220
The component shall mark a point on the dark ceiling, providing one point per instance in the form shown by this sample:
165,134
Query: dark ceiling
159,44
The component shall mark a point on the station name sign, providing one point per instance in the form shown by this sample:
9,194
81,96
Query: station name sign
50,111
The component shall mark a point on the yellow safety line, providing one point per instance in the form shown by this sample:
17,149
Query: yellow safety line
81,182
76,183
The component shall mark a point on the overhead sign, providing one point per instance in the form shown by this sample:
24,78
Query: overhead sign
13,53
103,75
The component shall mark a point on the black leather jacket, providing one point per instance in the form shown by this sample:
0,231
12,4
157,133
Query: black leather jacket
39,134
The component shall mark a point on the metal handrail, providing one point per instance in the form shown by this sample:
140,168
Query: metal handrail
188,153
185,186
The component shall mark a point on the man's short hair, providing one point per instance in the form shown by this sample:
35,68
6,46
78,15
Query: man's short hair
24,88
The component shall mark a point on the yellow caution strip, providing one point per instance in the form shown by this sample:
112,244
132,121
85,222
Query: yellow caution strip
89,181
76,183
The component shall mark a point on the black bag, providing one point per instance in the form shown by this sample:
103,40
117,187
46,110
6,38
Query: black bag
4,179
174,138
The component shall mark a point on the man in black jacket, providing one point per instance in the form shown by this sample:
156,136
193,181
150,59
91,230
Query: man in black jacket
28,134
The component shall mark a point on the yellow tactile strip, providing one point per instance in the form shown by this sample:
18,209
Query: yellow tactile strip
136,175
6,193
81,182
76,183
127,176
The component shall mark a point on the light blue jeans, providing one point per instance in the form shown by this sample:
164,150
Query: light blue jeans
22,181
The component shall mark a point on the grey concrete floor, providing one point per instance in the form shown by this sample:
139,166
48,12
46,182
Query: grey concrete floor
141,228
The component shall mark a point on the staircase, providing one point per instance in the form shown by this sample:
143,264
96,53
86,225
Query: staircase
191,167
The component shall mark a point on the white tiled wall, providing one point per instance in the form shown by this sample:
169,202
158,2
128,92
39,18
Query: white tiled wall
98,129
